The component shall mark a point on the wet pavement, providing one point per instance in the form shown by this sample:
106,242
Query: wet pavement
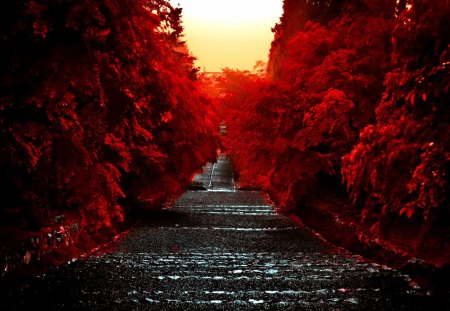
219,249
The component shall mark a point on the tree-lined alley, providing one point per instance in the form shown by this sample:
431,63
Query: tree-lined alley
103,116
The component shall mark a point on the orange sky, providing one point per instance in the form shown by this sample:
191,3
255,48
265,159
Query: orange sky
229,33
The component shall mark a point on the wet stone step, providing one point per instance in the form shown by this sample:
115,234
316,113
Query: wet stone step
195,198
186,219
232,212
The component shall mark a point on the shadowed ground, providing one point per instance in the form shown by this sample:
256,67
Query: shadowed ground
219,249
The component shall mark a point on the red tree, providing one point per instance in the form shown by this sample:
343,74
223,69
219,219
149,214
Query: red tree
98,103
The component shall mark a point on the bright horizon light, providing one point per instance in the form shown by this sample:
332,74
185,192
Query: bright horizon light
233,33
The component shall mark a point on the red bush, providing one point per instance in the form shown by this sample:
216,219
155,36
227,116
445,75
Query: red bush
98,102
360,99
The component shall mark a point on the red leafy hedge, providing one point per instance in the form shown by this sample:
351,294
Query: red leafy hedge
401,165
99,105
355,106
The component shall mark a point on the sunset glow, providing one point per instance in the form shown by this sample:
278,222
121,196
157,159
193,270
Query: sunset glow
233,33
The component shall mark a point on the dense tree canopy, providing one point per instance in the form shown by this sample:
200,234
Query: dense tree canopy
356,99
99,105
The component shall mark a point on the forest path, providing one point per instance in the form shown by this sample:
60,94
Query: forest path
219,249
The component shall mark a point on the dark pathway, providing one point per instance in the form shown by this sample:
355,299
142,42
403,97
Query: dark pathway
219,249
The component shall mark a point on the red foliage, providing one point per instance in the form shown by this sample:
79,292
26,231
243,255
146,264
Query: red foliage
325,93
98,102
404,160
361,99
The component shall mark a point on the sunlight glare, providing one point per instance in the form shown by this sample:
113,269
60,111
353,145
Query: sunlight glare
233,33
